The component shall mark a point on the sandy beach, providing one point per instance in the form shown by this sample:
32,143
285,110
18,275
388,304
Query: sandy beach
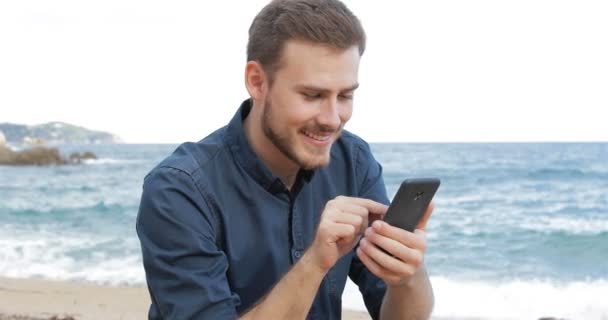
33,299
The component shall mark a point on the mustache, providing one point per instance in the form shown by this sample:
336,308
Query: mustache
323,129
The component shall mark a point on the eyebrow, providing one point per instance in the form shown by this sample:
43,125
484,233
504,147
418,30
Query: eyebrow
323,90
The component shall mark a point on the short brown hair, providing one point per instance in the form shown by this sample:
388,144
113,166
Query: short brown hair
327,22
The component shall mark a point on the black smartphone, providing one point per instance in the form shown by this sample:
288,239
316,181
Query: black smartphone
410,202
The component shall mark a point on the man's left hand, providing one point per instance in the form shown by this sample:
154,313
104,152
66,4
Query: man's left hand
403,253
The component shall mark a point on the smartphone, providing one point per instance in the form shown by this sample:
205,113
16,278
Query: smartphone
410,202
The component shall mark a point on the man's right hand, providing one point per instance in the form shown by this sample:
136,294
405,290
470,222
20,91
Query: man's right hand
343,221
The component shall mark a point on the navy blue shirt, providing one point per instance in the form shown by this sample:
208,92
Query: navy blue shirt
218,230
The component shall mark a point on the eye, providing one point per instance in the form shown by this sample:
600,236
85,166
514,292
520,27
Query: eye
311,95
348,96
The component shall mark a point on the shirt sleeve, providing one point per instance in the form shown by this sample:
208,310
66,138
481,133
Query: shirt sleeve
371,186
185,270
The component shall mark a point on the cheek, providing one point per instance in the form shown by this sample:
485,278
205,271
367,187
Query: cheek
300,113
283,111
346,111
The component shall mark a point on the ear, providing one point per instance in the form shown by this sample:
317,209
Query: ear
256,80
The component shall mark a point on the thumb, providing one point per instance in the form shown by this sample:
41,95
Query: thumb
425,217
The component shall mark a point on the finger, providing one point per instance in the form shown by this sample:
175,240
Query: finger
358,210
385,261
372,266
354,209
395,248
357,221
377,270
409,239
344,232
421,234
427,214
342,205
371,205
352,205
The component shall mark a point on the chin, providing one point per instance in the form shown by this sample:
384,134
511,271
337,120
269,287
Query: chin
314,162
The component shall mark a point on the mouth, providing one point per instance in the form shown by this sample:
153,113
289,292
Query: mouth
317,139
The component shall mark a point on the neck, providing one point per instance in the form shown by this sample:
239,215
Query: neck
271,156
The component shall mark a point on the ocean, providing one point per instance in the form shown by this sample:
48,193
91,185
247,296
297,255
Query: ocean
520,231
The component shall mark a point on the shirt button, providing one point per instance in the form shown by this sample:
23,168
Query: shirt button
297,254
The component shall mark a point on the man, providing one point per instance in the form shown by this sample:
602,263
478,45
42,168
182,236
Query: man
265,218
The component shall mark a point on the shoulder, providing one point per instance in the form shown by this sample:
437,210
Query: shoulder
349,138
192,159
177,186
352,147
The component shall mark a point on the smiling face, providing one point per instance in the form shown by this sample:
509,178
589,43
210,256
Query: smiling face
309,101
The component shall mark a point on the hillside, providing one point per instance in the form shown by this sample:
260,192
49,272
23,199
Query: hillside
54,133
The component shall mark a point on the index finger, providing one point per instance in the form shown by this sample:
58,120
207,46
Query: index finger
371,205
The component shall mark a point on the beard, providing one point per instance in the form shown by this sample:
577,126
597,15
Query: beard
306,157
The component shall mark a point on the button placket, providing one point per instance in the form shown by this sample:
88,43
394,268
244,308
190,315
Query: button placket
297,254
297,250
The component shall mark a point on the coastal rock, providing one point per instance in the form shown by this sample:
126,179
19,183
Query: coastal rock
88,155
76,157
2,139
6,155
40,156
62,318
35,156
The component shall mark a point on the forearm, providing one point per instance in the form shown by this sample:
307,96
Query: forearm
292,296
413,300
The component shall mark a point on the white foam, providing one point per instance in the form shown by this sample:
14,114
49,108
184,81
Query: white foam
116,271
510,300
568,225
44,256
521,299
109,161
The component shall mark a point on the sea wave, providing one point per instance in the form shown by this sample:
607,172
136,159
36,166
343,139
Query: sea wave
517,299
115,260
559,219
53,209
111,161
579,226
56,256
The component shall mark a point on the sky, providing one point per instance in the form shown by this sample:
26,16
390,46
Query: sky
433,71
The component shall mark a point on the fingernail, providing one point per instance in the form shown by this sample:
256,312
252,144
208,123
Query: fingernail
377,225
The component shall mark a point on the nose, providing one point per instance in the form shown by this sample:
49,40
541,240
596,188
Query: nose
329,115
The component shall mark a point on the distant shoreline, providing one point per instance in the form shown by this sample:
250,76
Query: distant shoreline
53,133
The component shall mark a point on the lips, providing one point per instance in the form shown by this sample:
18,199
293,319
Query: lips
318,140
317,137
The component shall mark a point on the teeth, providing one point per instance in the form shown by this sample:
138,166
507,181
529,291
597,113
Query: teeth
316,137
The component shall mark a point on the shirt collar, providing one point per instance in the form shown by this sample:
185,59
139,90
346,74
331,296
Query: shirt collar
245,156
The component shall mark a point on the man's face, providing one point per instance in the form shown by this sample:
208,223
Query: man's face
310,100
